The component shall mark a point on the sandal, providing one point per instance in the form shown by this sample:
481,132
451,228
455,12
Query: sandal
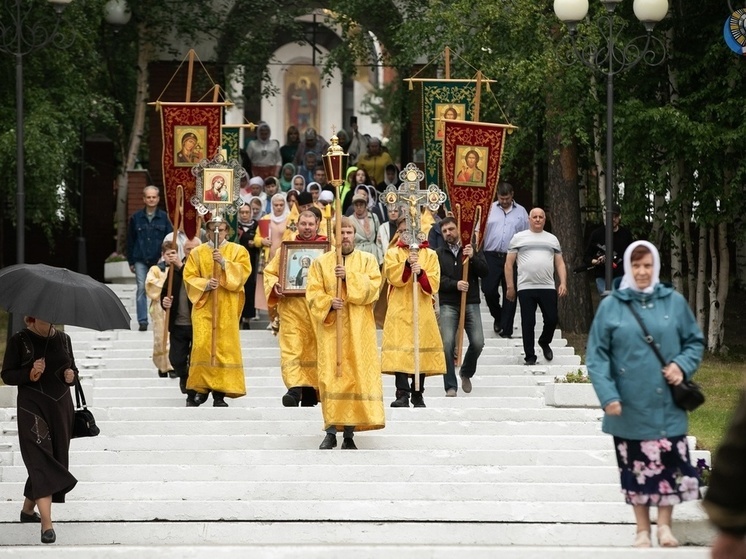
665,537
642,539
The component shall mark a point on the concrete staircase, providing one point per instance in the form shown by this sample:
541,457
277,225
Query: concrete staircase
494,473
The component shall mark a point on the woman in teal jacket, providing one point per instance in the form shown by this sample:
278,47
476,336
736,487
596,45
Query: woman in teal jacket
649,429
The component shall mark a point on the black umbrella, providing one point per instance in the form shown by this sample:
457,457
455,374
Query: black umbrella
60,296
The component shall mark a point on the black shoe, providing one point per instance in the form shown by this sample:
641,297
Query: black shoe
309,398
219,403
505,335
190,403
402,399
33,517
162,374
348,444
199,399
182,384
329,442
291,399
530,360
496,327
48,536
143,326
173,374
547,351
417,400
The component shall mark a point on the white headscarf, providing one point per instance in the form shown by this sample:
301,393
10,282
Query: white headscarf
628,281
292,182
282,217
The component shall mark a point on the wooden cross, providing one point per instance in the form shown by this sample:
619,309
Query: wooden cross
411,198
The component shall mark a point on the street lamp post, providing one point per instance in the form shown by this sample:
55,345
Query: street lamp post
609,58
19,38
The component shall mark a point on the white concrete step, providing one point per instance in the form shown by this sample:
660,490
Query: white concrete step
409,549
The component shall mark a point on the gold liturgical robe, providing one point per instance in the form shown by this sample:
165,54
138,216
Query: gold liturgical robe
355,397
397,348
226,374
154,282
297,335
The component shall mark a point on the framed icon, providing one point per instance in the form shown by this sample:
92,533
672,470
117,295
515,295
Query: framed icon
471,166
189,145
295,262
447,111
217,186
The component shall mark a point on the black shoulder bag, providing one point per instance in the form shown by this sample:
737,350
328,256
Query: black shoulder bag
84,424
687,394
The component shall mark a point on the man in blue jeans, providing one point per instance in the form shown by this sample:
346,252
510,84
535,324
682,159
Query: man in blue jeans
451,258
145,233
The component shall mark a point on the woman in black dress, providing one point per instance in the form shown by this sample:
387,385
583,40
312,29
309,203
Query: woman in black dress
246,224
39,360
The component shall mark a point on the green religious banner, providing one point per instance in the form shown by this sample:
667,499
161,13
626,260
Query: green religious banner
443,99
230,141
232,147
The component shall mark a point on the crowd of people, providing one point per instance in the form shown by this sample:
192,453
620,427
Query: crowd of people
205,289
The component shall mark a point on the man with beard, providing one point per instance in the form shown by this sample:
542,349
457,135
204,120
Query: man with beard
353,399
451,258
297,338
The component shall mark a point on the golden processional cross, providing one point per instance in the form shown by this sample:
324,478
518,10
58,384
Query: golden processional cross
411,199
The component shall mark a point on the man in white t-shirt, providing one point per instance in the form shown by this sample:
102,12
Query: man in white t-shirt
538,254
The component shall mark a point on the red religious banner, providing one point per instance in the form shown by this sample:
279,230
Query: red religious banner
472,154
191,133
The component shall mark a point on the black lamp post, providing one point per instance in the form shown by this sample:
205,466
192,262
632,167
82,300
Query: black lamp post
609,58
19,38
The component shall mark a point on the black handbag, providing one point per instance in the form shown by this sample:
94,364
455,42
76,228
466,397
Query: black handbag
84,424
687,394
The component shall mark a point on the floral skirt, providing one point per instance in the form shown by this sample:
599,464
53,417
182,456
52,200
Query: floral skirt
657,472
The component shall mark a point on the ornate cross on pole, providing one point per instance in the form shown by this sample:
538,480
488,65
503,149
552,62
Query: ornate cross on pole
412,199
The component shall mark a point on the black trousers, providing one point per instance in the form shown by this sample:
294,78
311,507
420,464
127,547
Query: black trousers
181,347
546,300
403,381
504,314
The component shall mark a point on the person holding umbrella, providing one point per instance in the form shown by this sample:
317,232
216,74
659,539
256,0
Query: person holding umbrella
39,360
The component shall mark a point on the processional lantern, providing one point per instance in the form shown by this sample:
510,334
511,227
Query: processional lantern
335,163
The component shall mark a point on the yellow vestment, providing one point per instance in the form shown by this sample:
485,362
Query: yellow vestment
397,348
153,285
356,397
297,335
226,374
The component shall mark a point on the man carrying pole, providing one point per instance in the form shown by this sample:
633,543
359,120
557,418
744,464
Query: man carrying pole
351,396
454,289
214,277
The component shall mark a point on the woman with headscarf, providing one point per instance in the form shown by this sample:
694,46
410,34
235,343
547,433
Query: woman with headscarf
374,207
269,236
299,183
347,186
292,199
264,153
360,178
366,225
649,430
286,177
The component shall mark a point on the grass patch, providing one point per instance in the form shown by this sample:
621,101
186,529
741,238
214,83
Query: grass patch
721,381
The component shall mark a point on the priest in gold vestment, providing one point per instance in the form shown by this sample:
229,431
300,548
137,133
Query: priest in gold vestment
397,349
221,373
297,334
354,399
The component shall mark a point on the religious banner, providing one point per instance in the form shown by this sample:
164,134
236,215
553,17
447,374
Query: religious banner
231,143
444,100
191,133
472,154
